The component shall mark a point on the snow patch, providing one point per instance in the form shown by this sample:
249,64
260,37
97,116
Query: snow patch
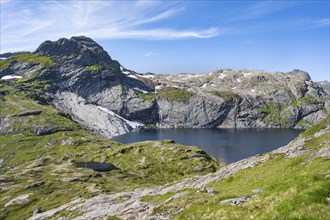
125,72
158,87
238,80
204,85
140,90
222,76
247,74
149,76
132,76
234,87
3,58
133,124
11,77
252,90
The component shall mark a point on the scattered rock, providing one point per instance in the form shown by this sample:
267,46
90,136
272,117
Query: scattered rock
206,190
176,196
29,113
69,141
44,130
34,185
236,201
37,211
100,167
256,191
21,200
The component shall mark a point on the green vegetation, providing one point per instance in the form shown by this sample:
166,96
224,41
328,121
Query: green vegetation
147,96
93,67
227,95
291,188
275,111
174,94
43,61
29,157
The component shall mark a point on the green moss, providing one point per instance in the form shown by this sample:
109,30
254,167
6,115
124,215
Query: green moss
43,61
227,95
147,96
174,94
322,124
303,122
93,67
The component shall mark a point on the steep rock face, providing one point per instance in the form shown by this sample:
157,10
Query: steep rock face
227,98
86,72
83,81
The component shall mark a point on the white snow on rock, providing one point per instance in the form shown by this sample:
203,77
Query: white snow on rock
204,85
149,76
252,90
247,74
125,72
159,87
133,124
132,76
238,80
11,77
222,76
234,87
140,90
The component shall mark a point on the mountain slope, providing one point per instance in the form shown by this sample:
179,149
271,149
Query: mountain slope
82,80
289,183
41,149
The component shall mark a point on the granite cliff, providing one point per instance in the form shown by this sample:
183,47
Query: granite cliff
83,81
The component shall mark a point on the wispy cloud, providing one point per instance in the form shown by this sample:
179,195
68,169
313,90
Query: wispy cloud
29,23
149,54
263,8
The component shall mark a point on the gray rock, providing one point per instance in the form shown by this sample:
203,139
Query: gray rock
34,185
29,113
21,200
88,86
236,201
37,211
256,191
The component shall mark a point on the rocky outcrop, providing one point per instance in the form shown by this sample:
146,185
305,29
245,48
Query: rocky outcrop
96,91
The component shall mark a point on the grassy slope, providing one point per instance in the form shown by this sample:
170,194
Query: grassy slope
292,188
29,158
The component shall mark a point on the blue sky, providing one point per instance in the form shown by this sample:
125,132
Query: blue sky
181,36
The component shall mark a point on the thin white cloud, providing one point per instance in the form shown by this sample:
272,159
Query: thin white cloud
149,54
260,9
156,34
30,23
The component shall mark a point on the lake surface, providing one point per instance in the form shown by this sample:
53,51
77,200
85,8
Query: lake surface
227,145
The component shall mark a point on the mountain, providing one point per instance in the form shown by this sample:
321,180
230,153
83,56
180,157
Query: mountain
81,79
59,103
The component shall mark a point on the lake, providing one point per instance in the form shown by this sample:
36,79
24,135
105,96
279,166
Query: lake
226,145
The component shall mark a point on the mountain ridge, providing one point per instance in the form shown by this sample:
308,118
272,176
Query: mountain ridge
83,79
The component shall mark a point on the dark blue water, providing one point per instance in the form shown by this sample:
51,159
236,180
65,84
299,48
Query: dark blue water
227,145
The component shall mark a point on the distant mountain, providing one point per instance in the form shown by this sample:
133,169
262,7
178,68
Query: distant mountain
81,79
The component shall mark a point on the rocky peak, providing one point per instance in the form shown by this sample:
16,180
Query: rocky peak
83,51
300,73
